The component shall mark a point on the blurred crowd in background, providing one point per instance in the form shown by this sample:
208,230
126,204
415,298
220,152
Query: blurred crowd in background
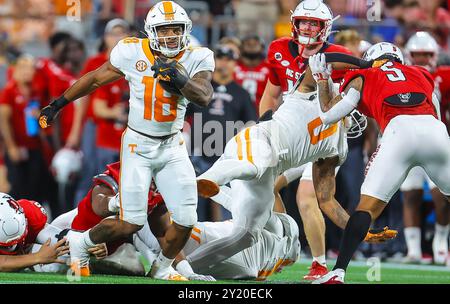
45,45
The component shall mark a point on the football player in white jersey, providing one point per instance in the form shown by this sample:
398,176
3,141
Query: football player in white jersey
164,75
254,158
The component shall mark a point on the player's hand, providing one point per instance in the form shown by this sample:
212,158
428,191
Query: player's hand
200,277
169,70
47,115
100,251
319,67
50,253
380,235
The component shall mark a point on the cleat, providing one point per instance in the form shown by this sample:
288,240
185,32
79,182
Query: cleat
167,274
410,259
333,277
82,271
316,271
207,188
79,255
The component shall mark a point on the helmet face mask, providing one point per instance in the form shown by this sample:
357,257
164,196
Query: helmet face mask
310,11
162,24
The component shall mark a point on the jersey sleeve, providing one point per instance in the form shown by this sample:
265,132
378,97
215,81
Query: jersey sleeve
123,52
205,58
36,218
349,76
271,64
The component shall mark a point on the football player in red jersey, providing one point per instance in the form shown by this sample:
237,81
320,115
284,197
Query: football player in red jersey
422,49
400,99
252,71
311,25
102,201
24,223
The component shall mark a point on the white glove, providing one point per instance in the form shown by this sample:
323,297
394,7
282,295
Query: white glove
319,68
185,269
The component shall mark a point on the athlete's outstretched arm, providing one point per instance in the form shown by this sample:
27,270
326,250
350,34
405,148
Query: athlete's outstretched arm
84,86
325,186
46,255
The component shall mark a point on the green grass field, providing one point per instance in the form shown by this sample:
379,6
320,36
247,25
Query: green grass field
389,274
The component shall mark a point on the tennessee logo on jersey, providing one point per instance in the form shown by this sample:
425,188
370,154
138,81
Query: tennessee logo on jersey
286,65
394,89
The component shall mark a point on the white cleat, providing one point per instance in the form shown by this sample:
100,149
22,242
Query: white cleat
168,274
79,255
332,277
411,259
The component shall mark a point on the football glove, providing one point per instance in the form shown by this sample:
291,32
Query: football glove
171,71
319,67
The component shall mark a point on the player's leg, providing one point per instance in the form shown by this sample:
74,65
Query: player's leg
386,171
436,162
238,161
442,226
135,178
313,224
412,190
251,211
177,185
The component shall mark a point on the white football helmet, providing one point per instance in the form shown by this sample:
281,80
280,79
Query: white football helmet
13,223
65,164
312,10
423,42
384,48
167,13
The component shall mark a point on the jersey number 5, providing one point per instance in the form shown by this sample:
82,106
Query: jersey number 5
155,102
393,74
314,124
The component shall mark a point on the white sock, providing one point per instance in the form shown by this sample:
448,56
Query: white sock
413,238
440,239
87,239
321,260
441,231
163,262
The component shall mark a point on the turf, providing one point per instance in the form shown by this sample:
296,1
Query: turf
389,274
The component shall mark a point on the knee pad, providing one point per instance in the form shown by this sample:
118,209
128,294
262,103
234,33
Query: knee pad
185,215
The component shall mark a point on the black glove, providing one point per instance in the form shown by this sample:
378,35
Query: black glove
49,113
170,71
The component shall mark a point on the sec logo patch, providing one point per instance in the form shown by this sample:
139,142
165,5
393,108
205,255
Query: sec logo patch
141,65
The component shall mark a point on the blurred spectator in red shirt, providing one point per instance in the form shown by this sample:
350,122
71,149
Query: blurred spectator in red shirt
115,30
111,111
19,112
252,70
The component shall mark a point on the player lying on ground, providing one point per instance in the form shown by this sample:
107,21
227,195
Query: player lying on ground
164,75
24,223
102,201
400,99
254,158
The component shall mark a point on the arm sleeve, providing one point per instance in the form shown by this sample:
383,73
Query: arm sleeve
437,106
294,173
341,109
